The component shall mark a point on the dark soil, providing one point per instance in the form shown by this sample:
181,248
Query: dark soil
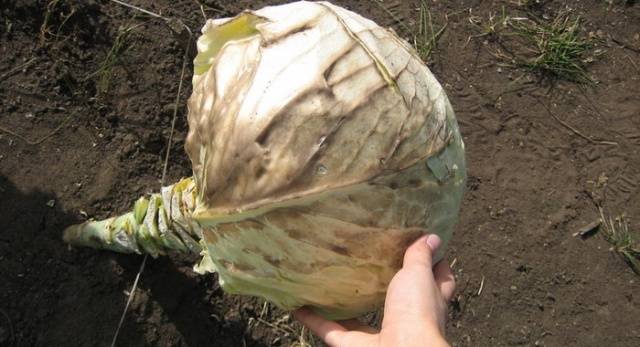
523,278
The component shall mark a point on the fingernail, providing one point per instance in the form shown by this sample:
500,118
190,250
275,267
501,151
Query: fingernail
434,242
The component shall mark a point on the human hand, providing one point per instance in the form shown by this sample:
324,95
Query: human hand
415,307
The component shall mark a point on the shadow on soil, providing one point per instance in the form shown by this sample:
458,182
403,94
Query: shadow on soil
46,288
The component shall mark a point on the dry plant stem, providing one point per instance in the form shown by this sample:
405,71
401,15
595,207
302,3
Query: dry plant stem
164,172
589,100
45,24
204,15
153,14
129,300
138,9
626,45
632,62
40,140
166,162
481,287
175,110
64,21
44,28
274,326
574,130
17,68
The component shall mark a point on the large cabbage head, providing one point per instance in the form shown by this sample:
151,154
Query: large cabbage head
322,146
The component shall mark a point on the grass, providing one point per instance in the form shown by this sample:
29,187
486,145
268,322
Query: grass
623,242
559,48
104,72
555,48
425,38
493,26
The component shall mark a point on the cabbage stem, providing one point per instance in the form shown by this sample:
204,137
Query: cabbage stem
156,225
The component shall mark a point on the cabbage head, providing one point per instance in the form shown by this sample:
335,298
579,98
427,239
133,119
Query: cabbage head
321,147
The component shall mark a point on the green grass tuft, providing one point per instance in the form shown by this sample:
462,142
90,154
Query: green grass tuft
555,48
426,39
559,48
104,72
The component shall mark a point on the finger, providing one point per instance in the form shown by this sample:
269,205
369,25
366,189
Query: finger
356,325
329,331
420,253
444,279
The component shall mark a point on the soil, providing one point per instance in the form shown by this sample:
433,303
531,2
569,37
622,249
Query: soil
84,133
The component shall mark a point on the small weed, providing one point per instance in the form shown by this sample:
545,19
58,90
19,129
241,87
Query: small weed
623,242
493,26
558,47
426,39
44,28
53,7
120,45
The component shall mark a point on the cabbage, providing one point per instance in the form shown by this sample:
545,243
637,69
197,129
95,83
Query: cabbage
321,147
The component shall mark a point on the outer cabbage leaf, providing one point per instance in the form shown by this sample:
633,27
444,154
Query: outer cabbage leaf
321,147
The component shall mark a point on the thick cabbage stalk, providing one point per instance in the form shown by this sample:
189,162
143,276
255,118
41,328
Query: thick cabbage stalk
321,148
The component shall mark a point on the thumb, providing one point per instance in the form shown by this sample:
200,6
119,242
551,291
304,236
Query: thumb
412,290
421,252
